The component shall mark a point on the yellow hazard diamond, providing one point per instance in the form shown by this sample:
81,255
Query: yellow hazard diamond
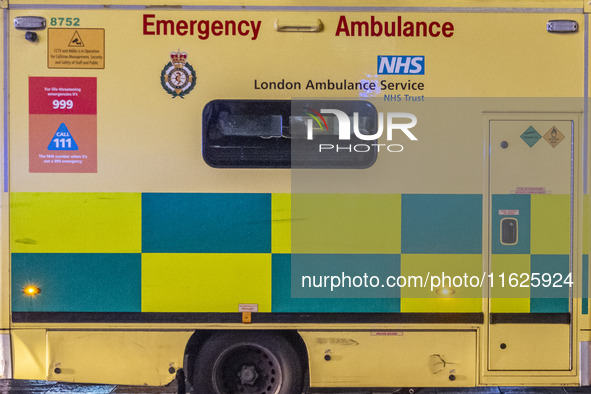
553,137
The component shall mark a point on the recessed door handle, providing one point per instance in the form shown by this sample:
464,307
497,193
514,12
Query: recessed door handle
508,231
299,25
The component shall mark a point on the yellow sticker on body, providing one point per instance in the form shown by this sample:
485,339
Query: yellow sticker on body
76,48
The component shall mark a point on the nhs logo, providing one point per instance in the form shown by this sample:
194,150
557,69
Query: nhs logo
398,65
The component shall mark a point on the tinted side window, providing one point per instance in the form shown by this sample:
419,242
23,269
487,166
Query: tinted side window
274,134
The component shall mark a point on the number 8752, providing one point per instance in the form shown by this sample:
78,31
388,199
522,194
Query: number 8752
64,21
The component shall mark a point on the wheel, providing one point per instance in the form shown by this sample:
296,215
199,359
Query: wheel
244,362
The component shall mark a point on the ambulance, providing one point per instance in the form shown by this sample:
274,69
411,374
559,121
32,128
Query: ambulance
273,197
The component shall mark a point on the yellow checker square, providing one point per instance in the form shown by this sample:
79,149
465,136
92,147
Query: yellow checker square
76,222
506,298
346,223
441,305
281,223
550,224
207,282
448,294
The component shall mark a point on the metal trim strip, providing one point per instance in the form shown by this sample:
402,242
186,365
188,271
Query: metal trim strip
284,318
586,105
530,318
5,97
317,8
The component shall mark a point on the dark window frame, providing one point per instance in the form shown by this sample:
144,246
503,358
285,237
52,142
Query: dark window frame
275,150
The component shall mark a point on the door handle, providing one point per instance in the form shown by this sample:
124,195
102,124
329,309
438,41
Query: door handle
509,231
309,25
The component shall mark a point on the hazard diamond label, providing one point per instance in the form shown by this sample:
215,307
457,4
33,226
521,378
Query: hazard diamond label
530,136
553,137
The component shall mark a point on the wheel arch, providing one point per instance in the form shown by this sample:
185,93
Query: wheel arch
199,337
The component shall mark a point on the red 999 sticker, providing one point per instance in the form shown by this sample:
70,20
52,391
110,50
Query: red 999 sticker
62,124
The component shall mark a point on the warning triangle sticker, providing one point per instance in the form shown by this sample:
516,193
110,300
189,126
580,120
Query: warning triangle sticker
76,41
62,140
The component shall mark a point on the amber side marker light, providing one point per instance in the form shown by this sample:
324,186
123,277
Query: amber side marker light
31,290
444,291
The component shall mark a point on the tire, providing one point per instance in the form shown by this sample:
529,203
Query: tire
247,362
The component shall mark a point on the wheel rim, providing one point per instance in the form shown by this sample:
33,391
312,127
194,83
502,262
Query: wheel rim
247,369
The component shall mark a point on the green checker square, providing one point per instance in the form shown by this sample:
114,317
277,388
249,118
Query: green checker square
442,223
549,294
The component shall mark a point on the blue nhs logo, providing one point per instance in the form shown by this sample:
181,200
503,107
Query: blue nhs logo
398,65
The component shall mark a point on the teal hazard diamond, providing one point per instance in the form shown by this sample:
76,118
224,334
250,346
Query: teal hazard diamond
530,136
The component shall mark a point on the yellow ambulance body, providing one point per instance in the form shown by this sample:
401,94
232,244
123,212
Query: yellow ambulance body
268,196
